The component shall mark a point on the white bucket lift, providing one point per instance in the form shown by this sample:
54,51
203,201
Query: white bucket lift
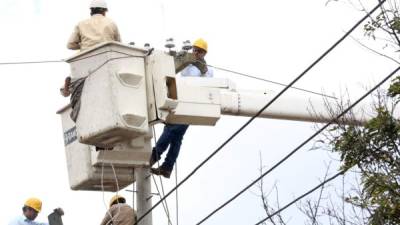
113,113
127,91
81,158
115,78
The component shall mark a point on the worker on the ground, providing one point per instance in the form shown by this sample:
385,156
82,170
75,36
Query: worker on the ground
94,30
30,211
119,213
173,133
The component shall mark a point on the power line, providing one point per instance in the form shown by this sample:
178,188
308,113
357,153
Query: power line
218,68
301,145
259,112
302,196
176,195
270,81
164,206
64,60
162,186
31,62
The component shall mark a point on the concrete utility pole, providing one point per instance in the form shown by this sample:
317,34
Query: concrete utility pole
143,195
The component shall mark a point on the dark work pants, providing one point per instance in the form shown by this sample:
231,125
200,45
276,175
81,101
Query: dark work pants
172,136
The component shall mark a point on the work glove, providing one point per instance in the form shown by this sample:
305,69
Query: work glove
59,211
65,91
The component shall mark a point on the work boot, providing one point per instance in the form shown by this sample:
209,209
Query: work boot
161,171
153,158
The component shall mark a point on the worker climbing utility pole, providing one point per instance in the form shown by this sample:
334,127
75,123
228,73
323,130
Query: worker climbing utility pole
172,135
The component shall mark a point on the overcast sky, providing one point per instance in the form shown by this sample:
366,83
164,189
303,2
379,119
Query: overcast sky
275,40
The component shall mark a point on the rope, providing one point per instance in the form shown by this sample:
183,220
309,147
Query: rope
103,192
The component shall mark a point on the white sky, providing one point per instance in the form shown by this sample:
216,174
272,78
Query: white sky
271,39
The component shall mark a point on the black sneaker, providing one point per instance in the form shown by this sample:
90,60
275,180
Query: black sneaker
152,161
161,171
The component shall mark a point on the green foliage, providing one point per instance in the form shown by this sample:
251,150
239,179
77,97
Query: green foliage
374,150
373,25
395,24
387,21
394,89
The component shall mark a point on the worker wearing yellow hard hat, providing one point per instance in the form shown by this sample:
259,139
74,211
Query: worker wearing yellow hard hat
199,50
30,210
32,207
117,199
119,212
200,43
34,203
172,135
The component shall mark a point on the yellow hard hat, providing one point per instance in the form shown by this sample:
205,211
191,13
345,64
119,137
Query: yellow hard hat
200,43
115,198
34,203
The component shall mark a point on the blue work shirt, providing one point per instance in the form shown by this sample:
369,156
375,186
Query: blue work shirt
192,71
22,220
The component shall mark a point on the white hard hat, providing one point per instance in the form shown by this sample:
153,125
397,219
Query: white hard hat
98,4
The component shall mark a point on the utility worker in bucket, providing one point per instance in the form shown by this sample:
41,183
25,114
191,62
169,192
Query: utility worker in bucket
97,29
173,133
119,213
87,33
30,211
199,50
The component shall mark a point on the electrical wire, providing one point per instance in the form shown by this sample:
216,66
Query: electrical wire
165,207
116,182
102,189
270,81
103,192
163,194
216,67
259,112
301,145
302,196
65,60
162,186
31,62
133,189
176,194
